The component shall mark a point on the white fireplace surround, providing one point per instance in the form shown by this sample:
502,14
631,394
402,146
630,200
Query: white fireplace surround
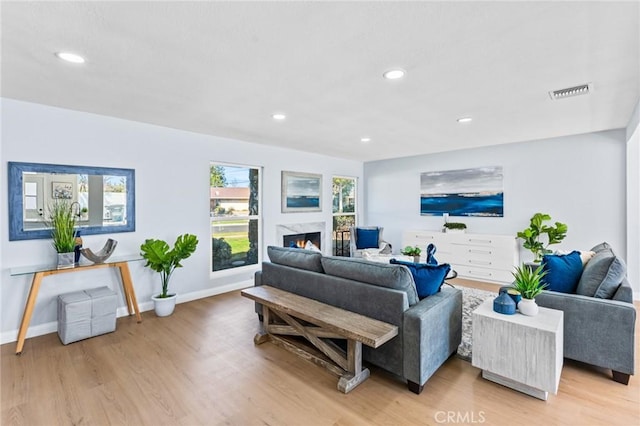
302,228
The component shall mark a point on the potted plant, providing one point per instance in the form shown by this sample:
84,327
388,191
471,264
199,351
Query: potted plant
164,260
533,235
454,227
528,282
412,251
63,233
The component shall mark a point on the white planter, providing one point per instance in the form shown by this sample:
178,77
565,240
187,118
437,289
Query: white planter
454,231
528,307
164,306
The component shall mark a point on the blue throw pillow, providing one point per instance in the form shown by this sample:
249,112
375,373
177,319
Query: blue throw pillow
563,271
367,238
428,278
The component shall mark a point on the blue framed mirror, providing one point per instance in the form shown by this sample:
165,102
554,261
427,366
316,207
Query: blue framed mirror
102,198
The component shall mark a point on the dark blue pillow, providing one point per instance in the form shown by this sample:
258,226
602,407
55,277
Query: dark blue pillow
367,238
428,278
563,271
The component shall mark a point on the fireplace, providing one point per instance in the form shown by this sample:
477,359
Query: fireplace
300,233
299,240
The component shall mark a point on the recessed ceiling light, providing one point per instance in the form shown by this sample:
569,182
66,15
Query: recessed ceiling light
70,57
394,74
365,140
465,120
279,116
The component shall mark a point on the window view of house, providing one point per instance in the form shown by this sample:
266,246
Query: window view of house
344,213
235,216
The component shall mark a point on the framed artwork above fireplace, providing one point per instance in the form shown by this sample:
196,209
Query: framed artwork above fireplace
301,192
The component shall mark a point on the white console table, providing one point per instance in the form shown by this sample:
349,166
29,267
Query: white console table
482,257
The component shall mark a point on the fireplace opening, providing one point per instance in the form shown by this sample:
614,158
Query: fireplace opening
300,240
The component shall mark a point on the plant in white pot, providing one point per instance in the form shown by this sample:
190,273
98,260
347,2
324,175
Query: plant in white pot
413,252
528,282
63,233
164,260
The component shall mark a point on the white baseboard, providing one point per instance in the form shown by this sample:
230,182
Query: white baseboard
52,327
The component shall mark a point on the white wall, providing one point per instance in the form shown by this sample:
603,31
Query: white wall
633,200
172,197
578,180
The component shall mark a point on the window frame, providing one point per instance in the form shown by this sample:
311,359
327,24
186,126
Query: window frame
355,204
258,217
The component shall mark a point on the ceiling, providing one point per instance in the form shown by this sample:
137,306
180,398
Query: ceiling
223,68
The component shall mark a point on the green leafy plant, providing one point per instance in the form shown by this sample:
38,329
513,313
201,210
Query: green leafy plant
455,225
411,251
528,281
532,236
62,222
164,260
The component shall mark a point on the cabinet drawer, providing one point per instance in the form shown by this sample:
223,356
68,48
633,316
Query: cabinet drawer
492,257
483,274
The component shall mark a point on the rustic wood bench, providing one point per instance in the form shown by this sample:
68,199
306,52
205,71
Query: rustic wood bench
318,322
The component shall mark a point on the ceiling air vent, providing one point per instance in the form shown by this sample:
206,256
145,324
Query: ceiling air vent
583,89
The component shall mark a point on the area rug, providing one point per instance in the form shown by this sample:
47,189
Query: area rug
471,299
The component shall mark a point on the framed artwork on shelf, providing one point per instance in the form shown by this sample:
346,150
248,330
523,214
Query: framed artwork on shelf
62,190
301,192
465,192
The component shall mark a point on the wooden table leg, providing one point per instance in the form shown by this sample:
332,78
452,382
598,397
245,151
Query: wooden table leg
28,310
356,374
129,292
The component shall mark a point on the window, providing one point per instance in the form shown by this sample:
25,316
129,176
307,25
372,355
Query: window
344,213
235,216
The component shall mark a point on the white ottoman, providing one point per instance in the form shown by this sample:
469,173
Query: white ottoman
86,313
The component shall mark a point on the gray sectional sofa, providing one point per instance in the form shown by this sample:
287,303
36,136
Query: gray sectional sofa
429,329
599,319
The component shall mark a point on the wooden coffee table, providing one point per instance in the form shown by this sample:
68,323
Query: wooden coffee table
521,352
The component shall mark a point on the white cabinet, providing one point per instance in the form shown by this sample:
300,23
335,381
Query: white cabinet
483,257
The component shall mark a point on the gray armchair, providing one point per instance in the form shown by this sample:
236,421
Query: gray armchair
356,249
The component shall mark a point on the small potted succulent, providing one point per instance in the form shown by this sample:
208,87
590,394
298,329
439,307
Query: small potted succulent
454,227
164,260
528,282
412,251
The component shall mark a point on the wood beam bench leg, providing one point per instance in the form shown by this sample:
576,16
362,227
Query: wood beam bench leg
356,374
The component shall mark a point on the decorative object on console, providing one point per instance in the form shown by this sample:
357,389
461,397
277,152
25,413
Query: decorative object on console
504,304
529,283
412,251
301,192
466,192
164,261
454,227
428,278
62,222
532,235
103,254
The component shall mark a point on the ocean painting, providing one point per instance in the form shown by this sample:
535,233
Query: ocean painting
464,192
301,192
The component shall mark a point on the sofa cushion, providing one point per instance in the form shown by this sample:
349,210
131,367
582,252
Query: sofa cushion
601,246
428,278
563,271
602,275
367,238
296,258
380,274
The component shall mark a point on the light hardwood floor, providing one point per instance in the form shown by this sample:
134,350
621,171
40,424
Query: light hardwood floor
200,367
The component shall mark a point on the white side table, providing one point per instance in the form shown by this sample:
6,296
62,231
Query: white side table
518,351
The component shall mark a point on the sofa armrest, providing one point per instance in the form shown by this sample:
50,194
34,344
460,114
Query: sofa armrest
432,331
596,331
